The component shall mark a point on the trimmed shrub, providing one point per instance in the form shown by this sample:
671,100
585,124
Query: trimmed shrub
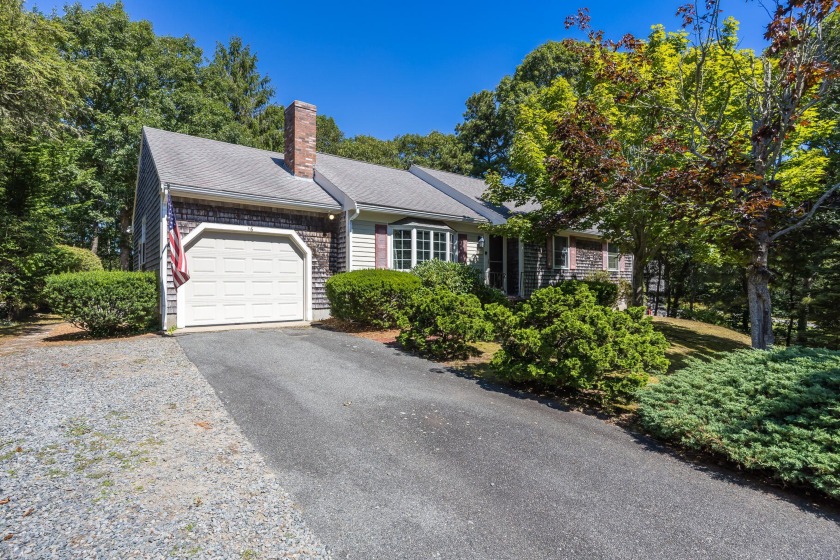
371,298
441,324
457,277
561,338
776,411
74,259
105,303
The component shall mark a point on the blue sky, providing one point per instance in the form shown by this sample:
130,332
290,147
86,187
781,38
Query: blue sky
385,68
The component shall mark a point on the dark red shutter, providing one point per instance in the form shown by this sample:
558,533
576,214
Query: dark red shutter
381,246
462,248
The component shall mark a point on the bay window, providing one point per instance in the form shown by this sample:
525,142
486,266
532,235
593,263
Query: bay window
413,245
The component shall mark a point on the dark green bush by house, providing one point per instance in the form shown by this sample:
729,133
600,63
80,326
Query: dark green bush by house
440,323
105,303
606,292
371,298
457,277
776,411
560,338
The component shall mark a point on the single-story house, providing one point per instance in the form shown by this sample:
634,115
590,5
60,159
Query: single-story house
263,231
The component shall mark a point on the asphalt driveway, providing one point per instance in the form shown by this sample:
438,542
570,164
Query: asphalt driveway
391,456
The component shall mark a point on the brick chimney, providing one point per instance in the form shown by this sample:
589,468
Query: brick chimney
299,136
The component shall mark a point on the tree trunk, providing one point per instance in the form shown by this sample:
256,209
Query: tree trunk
125,239
94,243
638,281
658,285
758,295
802,315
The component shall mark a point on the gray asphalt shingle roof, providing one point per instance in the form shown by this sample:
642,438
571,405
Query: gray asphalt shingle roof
191,161
376,185
475,188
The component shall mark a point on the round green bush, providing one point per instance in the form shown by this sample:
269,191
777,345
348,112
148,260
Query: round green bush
105,303
441,323
457,277
561,338
777,411
74,259
371,298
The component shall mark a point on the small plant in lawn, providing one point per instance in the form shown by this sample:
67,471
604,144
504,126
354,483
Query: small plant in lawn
776,411
370,298
441,324
105,303
560,338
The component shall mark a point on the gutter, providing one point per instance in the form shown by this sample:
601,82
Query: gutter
211,194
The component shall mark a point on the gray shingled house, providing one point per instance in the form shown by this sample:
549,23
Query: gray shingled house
263,231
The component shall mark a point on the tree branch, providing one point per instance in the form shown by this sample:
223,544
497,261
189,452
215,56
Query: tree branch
807,216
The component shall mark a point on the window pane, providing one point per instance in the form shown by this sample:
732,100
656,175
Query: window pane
402,249
612,257
440,248
561,252
424,246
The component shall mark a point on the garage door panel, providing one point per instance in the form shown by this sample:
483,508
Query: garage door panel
262,266
243,278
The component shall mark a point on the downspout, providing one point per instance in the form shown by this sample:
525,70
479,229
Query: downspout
349,233
163,260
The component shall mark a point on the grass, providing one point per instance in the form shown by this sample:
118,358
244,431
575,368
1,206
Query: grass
693,339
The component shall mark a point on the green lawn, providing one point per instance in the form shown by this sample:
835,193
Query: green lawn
697,340
26,326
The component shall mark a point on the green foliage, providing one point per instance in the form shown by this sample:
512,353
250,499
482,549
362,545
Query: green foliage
371,298
775,411
73,259
441,323
560,338
605,291
105,303
457,277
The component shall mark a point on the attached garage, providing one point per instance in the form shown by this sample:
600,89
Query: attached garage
242,274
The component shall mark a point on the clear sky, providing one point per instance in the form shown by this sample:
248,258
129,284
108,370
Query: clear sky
388,68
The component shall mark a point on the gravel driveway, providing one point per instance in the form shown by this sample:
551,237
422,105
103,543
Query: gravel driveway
391,456
120,449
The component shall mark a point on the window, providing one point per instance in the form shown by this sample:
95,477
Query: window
402,249
441,246
561,252
424,245
612,256
427,244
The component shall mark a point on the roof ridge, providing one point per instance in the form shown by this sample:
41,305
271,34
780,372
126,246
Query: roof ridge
450,173
361,161
193,136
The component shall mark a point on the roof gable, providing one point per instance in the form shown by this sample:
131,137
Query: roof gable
201,163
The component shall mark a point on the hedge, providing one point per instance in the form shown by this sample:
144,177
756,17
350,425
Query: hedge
457,277
73,259
440,323
560,338
371,298
105,303
776,411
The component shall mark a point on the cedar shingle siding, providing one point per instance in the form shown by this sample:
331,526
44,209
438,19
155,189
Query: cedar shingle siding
148,205
321,235
589,259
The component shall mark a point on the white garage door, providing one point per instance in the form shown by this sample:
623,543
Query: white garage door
243,278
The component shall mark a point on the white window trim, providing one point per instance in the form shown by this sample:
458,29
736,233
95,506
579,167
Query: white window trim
617,259
413,229
554,264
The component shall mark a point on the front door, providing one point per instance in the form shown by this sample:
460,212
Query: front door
496,262
512,266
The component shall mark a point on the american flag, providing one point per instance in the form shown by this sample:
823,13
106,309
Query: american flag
176,250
